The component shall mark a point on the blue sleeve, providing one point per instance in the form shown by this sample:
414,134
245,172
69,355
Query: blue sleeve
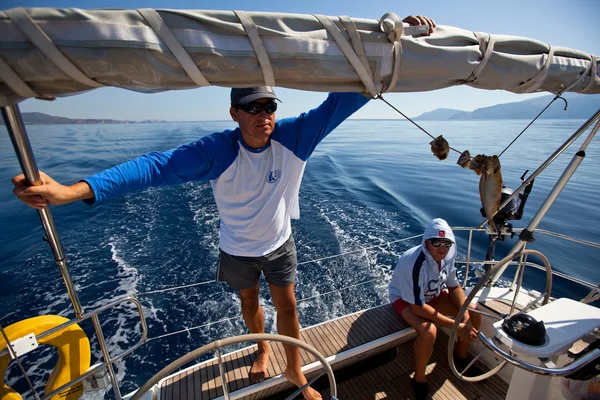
204,159
302,134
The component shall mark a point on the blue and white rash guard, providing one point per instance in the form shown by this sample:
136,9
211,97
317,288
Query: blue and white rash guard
256,190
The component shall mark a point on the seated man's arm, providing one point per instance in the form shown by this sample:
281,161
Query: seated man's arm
457,294
433,315
465,331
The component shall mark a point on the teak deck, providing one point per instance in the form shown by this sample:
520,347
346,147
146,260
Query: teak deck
388,381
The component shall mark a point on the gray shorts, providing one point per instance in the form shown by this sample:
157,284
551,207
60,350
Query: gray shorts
241,272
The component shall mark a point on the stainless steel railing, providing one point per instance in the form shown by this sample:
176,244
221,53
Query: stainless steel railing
94,315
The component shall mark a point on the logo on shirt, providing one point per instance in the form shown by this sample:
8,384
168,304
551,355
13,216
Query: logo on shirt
435,286
274,176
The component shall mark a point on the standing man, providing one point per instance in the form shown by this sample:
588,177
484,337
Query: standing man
424,289
255,172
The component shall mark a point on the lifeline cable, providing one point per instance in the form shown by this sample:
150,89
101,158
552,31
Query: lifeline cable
361,249
264,307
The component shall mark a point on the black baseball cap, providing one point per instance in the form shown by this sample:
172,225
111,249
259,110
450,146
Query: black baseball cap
243,96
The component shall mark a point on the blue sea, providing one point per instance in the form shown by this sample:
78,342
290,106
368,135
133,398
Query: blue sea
369,183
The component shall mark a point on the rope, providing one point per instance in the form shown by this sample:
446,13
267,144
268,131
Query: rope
558,96
411,121
591,299
541,112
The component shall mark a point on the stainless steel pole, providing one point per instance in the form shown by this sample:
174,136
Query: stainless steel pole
558,187
542,167
22,146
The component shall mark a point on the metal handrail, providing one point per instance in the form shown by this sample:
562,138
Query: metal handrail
95,313
109,360
538,369
468,261
218,344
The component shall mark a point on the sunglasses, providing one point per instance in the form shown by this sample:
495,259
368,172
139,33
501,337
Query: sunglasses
439,243
255,107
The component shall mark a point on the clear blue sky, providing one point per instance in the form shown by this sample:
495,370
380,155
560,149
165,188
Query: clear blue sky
572,24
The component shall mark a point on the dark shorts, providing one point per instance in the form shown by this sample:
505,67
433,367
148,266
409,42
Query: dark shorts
399,305
240,272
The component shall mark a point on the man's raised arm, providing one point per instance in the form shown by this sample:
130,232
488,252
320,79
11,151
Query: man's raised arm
50,191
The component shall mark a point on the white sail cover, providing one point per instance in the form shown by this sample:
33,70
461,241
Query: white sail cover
47,52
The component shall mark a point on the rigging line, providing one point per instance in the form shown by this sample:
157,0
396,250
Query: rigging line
541,112
301,263
174,288
380,97
264,307
337,290
193,328
360,250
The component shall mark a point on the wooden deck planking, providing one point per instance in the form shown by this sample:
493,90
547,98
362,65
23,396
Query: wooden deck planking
386,382
279,355
500,306
333,331
376,383
204,380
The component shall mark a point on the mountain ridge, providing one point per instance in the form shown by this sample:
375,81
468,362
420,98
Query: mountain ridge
38,118
579,107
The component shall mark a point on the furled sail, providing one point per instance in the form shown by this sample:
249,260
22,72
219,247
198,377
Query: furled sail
47,52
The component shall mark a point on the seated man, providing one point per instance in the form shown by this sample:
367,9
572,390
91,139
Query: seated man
423,290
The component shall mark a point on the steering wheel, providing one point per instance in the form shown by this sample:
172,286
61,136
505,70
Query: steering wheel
216,346
474,291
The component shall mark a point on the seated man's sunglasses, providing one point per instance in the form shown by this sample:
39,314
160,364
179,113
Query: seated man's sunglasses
255,107
439,243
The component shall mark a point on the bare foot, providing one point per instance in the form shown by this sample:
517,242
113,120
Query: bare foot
258,372
298,379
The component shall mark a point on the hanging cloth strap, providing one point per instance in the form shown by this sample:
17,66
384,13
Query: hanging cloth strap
356,42
38,37
14,81
583,75
258,46
593,74
534,83
351,56
162,30
486,44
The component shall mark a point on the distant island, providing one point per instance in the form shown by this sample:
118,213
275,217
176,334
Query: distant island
580,107
37,118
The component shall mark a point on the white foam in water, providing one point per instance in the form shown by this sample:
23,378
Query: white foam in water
353,228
